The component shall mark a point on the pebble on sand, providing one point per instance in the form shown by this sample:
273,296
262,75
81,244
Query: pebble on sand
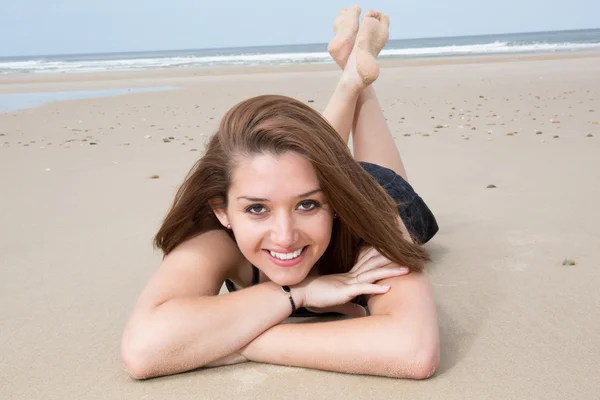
492,186
311,101
589,135
510,134
555,137
568,261
538,133
154,177
166,140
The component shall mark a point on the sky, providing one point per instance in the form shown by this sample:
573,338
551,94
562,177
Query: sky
36,27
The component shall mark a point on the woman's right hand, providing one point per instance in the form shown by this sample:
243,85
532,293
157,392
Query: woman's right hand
324,293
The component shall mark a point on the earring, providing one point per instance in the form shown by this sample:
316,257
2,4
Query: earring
228,226
334,215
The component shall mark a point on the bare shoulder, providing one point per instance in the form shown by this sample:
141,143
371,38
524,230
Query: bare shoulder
197,267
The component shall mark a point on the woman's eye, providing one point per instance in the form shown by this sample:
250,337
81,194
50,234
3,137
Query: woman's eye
255,209
308,205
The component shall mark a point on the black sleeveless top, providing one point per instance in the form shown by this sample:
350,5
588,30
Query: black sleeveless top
255,280
301,312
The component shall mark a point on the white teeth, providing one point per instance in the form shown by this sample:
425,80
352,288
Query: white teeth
287,256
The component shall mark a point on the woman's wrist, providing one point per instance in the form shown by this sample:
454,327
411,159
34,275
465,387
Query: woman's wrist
297,293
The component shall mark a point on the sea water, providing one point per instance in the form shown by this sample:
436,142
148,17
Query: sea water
19,101
514,43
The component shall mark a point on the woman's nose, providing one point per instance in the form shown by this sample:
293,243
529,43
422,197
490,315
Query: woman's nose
283,232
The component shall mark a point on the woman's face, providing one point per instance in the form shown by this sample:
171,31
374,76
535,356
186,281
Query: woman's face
279,215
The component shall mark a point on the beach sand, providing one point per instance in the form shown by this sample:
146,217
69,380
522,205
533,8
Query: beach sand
78,211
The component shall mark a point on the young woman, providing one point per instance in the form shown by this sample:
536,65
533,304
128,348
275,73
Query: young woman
280,210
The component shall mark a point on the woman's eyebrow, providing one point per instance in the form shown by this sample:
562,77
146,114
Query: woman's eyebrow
298,197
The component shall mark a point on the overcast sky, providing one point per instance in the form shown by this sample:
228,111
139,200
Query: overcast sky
81,26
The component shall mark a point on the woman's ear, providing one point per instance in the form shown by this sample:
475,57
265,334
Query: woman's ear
218,208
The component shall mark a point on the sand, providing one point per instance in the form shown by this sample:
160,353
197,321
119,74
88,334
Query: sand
78,218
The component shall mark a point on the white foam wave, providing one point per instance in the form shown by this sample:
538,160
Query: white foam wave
170,62
47,66
492,48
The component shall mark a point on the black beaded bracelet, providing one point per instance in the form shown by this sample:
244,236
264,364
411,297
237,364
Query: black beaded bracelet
288,291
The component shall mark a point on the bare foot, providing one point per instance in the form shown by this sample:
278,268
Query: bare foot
372,36
345,27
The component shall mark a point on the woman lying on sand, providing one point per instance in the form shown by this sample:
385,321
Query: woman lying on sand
280,211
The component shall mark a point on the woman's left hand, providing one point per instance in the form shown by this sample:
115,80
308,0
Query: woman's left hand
367,255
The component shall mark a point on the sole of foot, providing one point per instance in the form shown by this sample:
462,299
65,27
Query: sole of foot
345,28
372,36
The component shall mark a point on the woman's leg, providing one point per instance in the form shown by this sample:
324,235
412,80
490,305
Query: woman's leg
372,140
371,136
358,48
340,109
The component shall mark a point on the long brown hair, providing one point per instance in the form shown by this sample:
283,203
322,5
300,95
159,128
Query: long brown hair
367,215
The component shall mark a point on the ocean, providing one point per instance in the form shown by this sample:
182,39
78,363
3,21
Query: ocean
514,43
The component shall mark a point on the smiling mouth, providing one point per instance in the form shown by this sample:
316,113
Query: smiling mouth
287,256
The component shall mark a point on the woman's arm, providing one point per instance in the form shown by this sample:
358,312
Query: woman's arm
400,339
179,322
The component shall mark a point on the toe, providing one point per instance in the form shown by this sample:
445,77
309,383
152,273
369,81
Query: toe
355,9
385,19
373,14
